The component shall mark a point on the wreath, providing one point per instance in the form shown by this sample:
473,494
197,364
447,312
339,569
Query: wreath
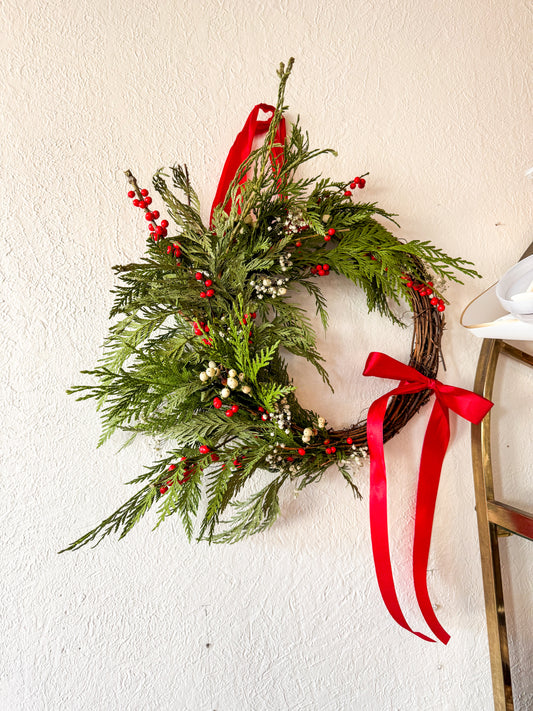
195,356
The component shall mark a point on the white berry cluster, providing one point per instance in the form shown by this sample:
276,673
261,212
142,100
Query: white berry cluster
212,371
360,454
307,434
275,457
282,416
285,261
233,381
294,223
270,287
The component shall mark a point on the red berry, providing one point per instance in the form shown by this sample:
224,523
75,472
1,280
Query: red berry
136,202
208,282
409,284
326,441
197,332
430,283
163,489
331,231
328,450
131,194
349,440
206,329
353,185
356,181
169,249
441,307
429,291
321,272
198,276
229,413
261,409
264,417
215,457
210,293
236,463
144,191
203,449
171,467
325,267
290,459
155,214
333,450
301,451
148,216
164,223
147,200
235,408
152,228
217,403
347,193
142,204
203,294
253,315
362,183
434,301
327,238
298,244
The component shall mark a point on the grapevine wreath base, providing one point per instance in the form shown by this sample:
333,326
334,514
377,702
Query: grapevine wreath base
195,356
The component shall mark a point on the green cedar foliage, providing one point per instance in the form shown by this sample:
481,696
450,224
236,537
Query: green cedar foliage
164,336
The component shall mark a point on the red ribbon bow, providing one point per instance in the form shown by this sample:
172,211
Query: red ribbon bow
241,148
466,404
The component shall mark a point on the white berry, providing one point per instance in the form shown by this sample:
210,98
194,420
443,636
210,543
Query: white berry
233,383
225,392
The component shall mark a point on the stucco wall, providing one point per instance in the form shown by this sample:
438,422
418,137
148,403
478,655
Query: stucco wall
434,99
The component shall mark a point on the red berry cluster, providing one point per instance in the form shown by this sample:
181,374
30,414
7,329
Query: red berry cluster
425,290
329,234
189,471
175,250
200,328
320,269
151,216
209,292
247,316
232,410
357,183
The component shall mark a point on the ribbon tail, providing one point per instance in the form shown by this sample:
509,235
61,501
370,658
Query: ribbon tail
433,450
378,511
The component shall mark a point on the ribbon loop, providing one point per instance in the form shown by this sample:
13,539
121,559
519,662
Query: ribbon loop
468,405
241,149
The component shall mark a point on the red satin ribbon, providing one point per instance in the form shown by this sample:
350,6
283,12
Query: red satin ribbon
466,404
241,148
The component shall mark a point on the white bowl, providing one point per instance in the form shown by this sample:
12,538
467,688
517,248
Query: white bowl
516,281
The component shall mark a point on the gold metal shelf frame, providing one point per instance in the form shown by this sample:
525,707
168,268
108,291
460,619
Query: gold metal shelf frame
495,518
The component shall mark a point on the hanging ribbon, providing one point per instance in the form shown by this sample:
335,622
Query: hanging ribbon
463,402
241,149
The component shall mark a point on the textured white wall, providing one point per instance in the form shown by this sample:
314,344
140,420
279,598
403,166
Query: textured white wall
434,98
